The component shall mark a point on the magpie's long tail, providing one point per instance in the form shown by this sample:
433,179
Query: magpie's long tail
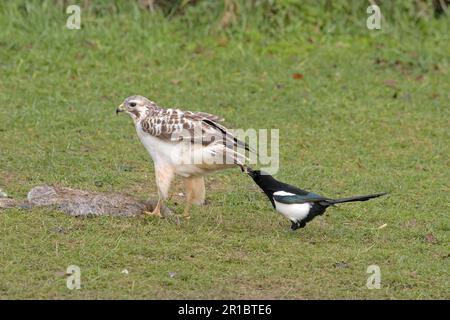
356,198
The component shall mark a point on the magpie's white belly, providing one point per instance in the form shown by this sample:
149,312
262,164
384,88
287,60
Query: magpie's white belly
295,211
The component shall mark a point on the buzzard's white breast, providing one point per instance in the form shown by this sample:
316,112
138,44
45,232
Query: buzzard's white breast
166,153
159,150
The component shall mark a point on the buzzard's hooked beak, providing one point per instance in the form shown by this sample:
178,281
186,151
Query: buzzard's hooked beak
120,109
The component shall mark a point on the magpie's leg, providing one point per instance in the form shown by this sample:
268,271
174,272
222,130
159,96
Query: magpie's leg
297,225
294,226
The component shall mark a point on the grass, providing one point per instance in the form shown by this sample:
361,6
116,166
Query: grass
370,114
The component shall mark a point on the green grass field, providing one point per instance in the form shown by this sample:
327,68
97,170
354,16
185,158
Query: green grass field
370,114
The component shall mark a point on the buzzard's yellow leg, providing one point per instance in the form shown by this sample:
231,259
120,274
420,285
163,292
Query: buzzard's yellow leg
186,214
157,211
195,193
164,176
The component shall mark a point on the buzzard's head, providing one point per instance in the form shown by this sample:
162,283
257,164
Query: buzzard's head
136,106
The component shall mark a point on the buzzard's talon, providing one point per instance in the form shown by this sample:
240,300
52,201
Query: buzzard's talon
153,213
156,212
186,214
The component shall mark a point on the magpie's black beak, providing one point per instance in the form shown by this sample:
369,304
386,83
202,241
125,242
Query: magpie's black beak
120,109
250,172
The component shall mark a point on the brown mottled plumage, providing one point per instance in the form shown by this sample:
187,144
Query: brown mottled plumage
185,143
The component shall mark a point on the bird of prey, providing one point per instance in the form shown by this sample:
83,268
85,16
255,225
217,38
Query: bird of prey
297,205
185,143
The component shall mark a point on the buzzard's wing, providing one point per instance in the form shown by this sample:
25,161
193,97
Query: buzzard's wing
174,125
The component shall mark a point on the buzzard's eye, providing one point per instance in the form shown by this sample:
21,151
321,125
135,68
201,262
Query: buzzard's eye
133,104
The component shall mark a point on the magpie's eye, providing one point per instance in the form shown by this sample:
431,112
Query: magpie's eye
133,104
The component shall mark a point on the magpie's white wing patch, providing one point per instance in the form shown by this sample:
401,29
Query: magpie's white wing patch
283,193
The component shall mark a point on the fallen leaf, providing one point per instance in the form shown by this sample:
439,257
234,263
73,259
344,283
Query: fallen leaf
342,44
297,76
411,223
380,61
391,83
222,42
175,81
430,238
91,44
199,49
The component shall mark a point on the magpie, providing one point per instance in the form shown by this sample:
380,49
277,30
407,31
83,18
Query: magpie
297,205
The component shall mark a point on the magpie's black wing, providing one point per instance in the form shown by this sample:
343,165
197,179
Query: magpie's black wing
281,186
298,198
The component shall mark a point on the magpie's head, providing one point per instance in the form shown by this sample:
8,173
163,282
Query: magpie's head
258,176
265,181
253,173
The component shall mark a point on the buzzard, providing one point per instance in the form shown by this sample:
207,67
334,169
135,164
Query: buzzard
184,143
